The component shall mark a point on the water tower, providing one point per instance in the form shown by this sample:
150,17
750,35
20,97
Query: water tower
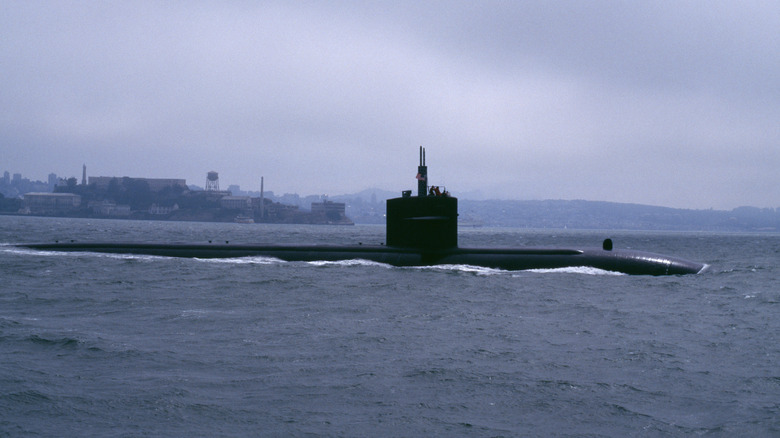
212,181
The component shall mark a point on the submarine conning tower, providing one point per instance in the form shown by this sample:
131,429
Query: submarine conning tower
426,221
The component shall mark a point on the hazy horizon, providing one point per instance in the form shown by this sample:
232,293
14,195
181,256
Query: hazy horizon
466,195
672,104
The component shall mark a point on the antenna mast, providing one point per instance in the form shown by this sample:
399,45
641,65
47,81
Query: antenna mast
422,175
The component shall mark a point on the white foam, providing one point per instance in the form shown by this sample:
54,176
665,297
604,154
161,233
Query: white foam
479,270
264,260
586,270
45,253
125,256
193,313
350,262
254,260
25,251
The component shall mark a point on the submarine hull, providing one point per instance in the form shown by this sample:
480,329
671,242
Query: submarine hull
624,261
421,230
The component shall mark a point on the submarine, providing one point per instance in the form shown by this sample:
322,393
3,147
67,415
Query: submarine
422,230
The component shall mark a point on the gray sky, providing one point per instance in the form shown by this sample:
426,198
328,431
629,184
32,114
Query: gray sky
668,103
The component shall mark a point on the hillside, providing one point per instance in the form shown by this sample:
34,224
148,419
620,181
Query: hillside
368,207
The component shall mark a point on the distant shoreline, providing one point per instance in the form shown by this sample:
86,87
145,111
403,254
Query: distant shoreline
552,215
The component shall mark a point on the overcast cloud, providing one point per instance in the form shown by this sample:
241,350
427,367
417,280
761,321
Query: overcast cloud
669,103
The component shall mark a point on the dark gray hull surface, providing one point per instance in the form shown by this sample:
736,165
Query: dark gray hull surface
625,261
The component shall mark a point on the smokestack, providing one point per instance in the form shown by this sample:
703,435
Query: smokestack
262,200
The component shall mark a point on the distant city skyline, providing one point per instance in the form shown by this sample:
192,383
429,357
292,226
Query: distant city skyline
671,104
286,196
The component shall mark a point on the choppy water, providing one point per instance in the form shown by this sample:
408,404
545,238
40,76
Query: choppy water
107,345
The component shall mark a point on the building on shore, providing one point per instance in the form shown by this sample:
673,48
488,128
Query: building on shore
155,184
332,212
157,210
109,208
236,202
51,203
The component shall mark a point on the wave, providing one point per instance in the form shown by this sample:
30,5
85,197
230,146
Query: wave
127,256
265,260
29,396
11,249
37,252
350,262
479,270
58,342
585,270
253,260
471,269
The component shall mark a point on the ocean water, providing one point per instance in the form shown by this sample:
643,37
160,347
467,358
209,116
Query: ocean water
122,345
